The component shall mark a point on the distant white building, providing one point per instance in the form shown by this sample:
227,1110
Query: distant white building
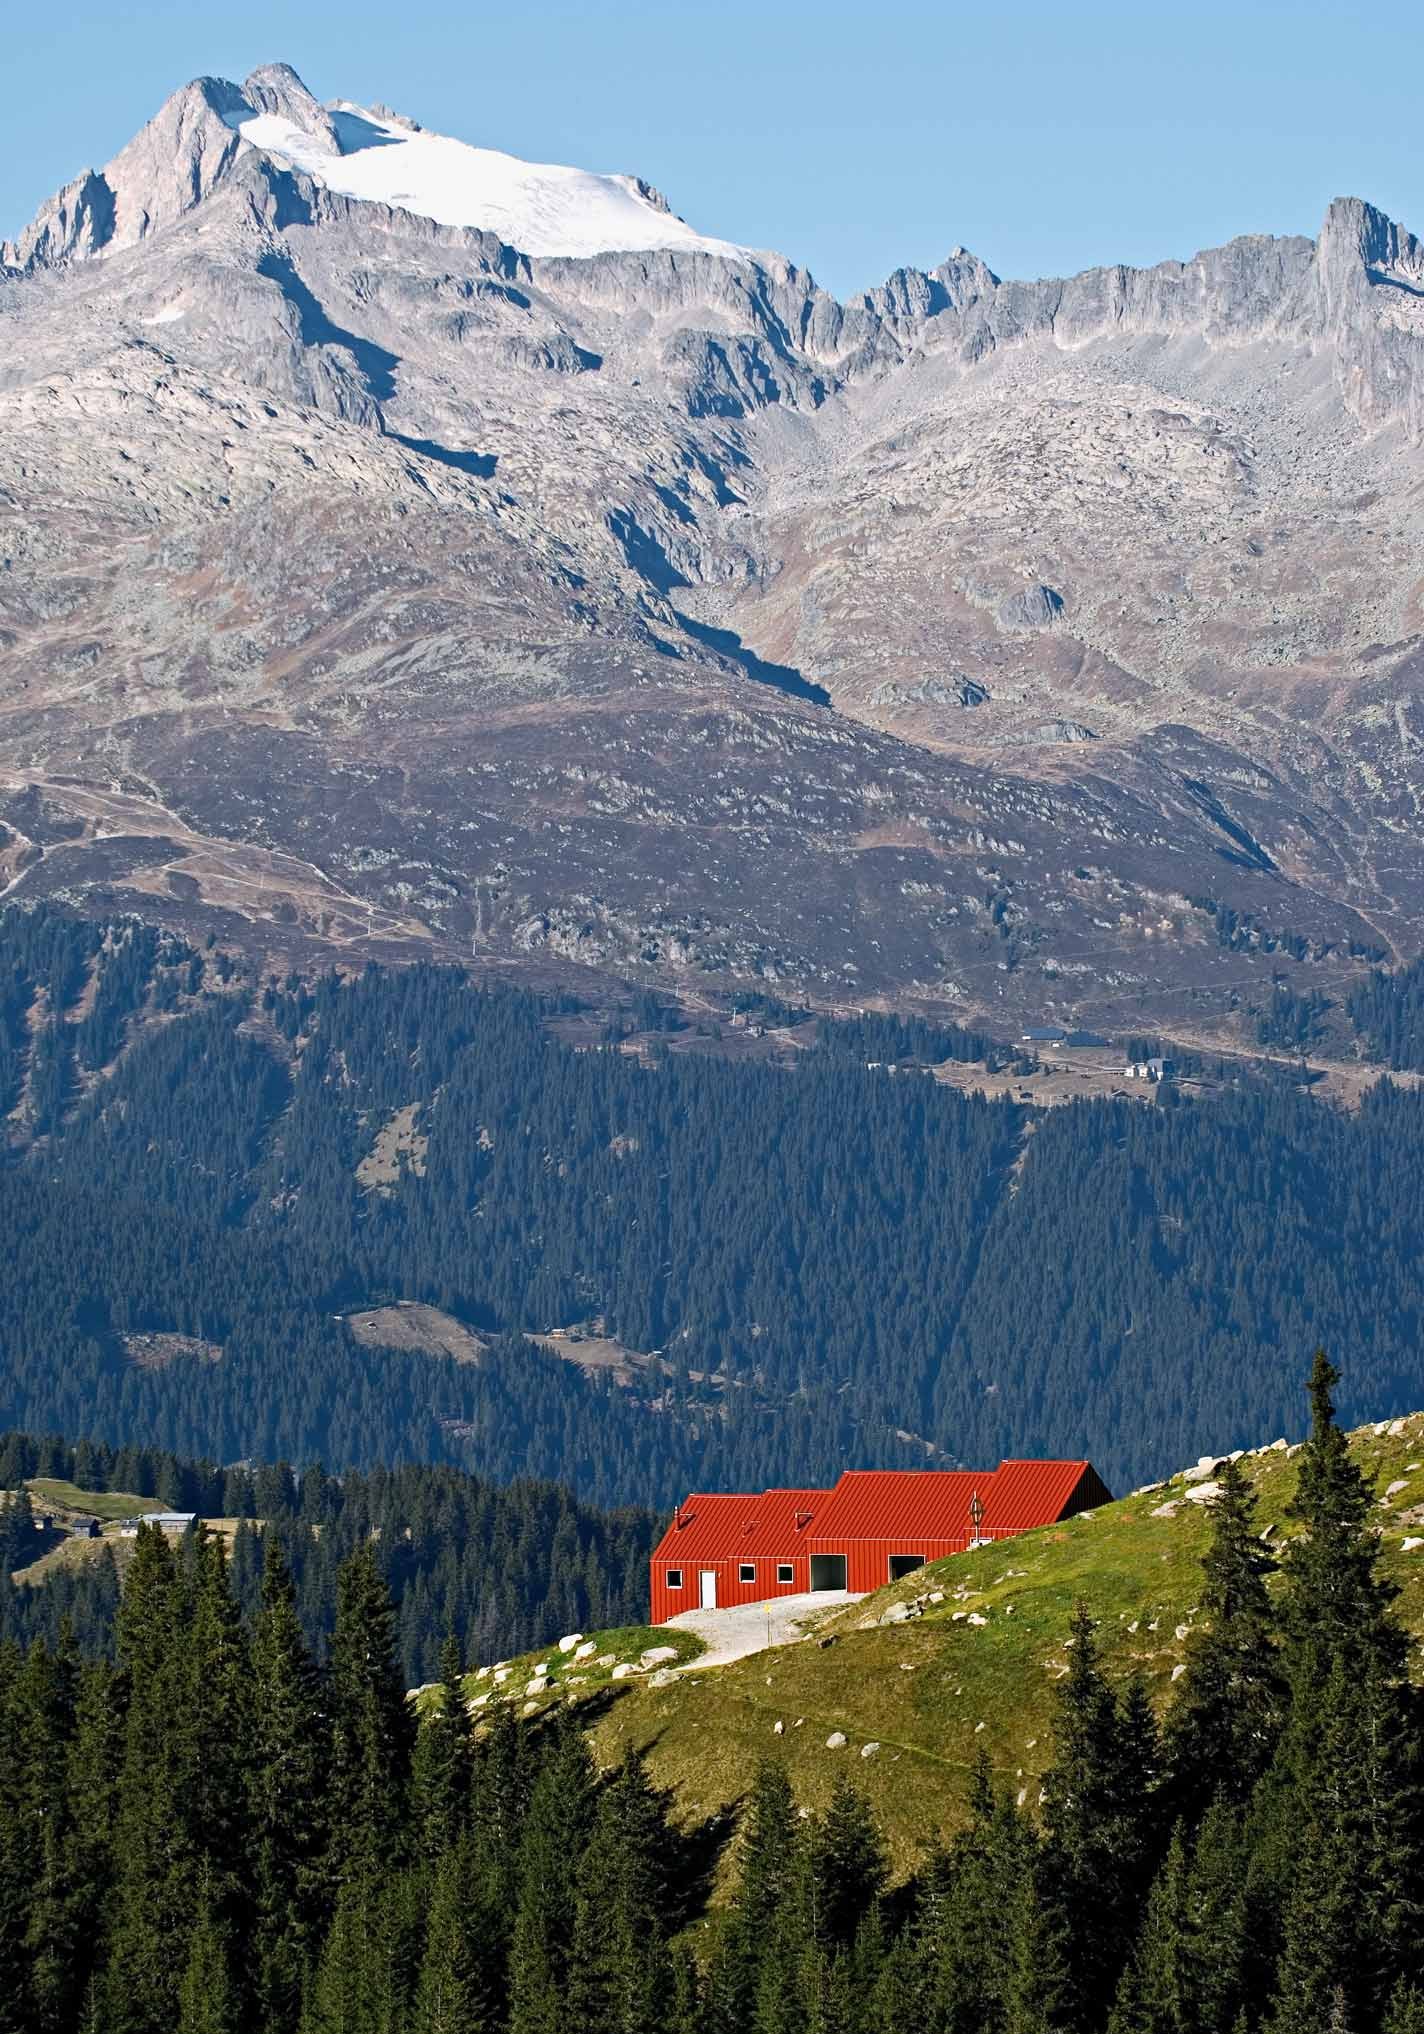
166,1521
1150,1070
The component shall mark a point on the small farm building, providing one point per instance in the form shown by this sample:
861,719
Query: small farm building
873,1527
166,1521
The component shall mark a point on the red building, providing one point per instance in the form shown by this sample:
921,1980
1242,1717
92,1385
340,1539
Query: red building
876,1525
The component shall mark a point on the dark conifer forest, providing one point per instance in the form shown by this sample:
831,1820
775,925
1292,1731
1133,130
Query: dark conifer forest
212,1178
498,1569
216,1831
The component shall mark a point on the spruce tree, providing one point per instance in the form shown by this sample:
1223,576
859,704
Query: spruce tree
972,1906
339,1999
1340,1850
556,1829
1218,1922
440,1772
210,1729
371,1729
286,1781
848,1864
769,1851
684,2009
1102,1834
728,1991
499,1796
1405,2012
768,1858
619,1977
460,1988
207,2002
790,1966
91,1789
1154,1994
1229,1706
154,1856
15,1966
43,1725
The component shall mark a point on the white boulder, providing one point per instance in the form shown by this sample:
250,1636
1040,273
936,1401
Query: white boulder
836,1740
567,1644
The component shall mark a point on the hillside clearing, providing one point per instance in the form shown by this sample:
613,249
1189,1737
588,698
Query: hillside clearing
917,1701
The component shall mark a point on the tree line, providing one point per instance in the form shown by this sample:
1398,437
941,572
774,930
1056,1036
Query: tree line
215,1832
497,1568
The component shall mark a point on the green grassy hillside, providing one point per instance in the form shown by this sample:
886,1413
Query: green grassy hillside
930,1693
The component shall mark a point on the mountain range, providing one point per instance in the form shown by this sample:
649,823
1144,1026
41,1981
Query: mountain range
409,550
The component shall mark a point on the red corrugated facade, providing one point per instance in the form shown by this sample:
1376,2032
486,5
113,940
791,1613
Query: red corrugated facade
747,1544
875,1524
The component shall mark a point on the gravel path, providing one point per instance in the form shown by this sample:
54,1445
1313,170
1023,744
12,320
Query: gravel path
751,1627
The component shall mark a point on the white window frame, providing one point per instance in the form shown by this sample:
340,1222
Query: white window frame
786,1571
746,1571
674,1578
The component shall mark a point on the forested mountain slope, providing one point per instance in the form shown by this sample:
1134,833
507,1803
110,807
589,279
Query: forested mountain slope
224,1201
494,1569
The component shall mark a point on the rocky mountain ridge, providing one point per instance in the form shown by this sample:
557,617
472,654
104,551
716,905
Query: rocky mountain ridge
986,645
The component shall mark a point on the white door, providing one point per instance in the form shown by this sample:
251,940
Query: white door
709,1588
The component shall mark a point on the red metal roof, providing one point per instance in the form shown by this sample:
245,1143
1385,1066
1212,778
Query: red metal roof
908,1504
933,1504
719,1528
916,1507
1024,1494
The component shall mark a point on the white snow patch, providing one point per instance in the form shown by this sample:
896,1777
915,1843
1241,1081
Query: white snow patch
541,208
169,315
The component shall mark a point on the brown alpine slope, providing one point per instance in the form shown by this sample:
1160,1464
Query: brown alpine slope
974,645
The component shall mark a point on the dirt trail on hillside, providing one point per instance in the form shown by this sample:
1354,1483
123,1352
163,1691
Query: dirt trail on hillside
756,1627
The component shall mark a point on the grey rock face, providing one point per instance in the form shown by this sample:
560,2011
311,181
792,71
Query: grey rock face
164,172
930,692
1037,607
371,581
1052,731
276,88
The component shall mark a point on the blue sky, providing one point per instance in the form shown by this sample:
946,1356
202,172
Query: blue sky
856,138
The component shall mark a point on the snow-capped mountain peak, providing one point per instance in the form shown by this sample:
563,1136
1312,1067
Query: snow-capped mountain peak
204,130
540,208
